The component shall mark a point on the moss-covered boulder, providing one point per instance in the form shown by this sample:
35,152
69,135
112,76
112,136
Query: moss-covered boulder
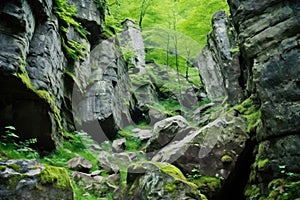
153,180
28,179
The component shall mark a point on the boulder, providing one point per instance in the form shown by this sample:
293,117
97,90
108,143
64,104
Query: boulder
28,179
144,134
213,150
105,162
119,145
80,164
150,180
165,131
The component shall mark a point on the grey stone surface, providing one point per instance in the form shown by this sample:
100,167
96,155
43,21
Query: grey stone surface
132,40
219,62
268,33
149,180
107,99
206,147
79,163
20,179
166,130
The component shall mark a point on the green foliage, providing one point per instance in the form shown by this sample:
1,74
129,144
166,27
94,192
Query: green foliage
262,164
74,49
133,143
12,147
169,107
76,144
159,56
67,15
192,18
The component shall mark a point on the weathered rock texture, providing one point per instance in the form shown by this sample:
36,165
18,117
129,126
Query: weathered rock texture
213,150
150,180
269,42
32,67
103,106
219,64
166,131
132,43
28,179
43,75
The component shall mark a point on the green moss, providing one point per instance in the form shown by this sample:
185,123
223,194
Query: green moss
226,159
172,171
262,164
170,187
55,175
251,112
74,49
14,180
67,15
2,168
14,167
207,183
43,94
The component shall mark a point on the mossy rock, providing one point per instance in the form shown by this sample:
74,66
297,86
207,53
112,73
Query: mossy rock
57,176
28,179
226,159
147,179
207,185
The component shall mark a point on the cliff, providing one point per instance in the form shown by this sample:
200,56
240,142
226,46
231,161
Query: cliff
63,72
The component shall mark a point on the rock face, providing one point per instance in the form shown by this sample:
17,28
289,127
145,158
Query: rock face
150,180
31,67
132,41
219,62
48,65
103,106
28,179
269,43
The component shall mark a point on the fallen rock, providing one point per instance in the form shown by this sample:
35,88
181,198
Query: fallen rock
144,134
80,164
119,145
151,180
165,131
213,150
28,179
104,161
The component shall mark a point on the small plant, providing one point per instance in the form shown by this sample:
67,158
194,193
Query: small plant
195,173
12,145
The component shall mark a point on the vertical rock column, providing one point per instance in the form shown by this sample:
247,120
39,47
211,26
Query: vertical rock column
30,68
269,41
219,62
